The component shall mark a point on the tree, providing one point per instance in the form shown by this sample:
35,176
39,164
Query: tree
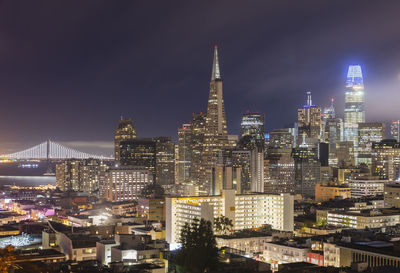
223,224
6,258
199,252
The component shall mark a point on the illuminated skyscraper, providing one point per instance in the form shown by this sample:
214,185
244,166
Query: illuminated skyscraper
307,169
184,152
124,131
215,133
281,139
139,153
369,133
386,159
85,175
332,127
125,183
395,130
197,137
354,111
309,120
253,125
165,161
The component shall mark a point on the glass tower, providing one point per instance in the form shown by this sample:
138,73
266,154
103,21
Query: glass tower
354,111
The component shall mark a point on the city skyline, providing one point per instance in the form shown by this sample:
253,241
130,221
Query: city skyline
199,136
255,81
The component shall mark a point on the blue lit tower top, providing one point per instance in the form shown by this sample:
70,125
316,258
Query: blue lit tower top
354,76
354,112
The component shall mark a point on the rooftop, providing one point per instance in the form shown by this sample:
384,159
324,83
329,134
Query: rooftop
378,247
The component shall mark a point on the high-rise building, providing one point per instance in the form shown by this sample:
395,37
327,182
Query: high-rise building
392,195
85,175
386,159
332,127
309,120
257,169
225,176
279,171
395,130
252,125
215,133
165,161
124,131
184,153
307,169
125,183
354,112
281,139
369,133
344,154
139,153
196,146
242,159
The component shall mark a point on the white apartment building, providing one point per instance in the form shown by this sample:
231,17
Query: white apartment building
361,220
245,211
365,187
122,184
277,253
249,245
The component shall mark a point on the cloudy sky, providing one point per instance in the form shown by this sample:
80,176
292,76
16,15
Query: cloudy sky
70,69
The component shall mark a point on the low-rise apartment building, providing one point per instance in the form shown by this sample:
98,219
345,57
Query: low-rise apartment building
360,219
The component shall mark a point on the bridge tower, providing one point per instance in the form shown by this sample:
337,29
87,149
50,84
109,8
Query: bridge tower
49,170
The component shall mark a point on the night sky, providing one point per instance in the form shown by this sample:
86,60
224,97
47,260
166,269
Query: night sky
70,69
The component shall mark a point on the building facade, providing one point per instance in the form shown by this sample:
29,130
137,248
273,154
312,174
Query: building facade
126,183
125,131
165,161
196,146
325,193
368,133
366,187
215,129
307,170
391,195
386,159
361,220
184,153
245,211
395,130
139,153
85,175
309,120
354,112
252,124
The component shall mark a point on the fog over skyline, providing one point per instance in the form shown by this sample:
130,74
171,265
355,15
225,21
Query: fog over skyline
69,70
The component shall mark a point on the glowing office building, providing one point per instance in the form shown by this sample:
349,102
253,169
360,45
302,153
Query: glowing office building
395,130
184,153
125,131
369,133
354,112
309,120
215,130
252,125
125,183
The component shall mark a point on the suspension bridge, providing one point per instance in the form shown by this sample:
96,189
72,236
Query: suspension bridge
51,150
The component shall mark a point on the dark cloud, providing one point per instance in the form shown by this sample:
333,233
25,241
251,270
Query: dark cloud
69,69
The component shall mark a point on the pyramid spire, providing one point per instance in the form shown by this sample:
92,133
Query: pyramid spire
216,74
